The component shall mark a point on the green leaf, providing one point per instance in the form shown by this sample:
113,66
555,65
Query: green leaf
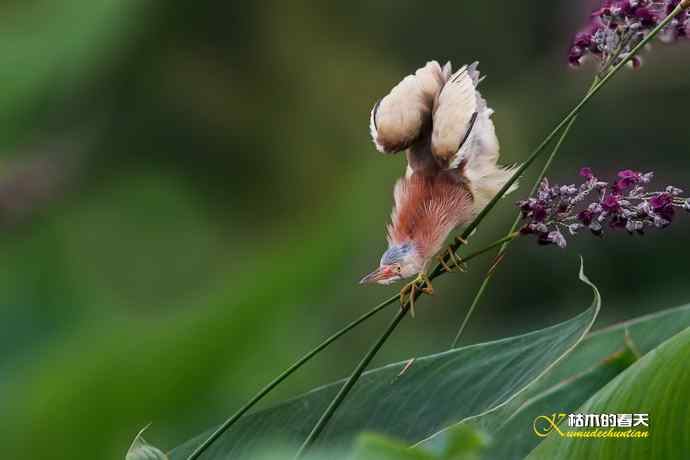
411,400
658,384
596,361
466,443
141,450
376,447
511,425
645,333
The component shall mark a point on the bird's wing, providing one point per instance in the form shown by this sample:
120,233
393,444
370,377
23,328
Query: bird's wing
399,119
455,114
464,136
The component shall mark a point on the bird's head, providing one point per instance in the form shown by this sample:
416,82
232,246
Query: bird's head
398,262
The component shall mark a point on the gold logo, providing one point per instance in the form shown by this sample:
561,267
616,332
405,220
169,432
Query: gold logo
592,425
543,425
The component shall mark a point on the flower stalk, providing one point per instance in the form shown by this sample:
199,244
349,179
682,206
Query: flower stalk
440,269
621,204
284,375
315,351
356,374
504,247
605,74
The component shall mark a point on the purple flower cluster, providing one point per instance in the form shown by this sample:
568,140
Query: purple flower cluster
619,25
594,205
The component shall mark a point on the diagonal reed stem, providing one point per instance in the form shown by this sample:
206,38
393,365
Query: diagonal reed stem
340,397
501,252
504,247
308,356
285,374
357,373
438,270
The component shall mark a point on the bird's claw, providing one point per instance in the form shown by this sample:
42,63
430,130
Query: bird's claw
421,284
454,263
461,240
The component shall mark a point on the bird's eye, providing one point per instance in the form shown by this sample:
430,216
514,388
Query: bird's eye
398,268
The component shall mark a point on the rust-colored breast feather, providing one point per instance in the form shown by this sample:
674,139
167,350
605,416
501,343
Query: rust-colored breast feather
428,208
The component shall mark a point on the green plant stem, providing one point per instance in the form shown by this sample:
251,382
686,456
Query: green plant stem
504,247
500,242
439,269
598,82
340,397
304,359
356,374
285,374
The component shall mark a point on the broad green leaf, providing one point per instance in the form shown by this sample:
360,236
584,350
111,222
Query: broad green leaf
658,384
570,383
466,443
141,450
411,400
645,333
511,425
377,447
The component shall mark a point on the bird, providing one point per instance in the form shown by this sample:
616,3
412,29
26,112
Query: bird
442,122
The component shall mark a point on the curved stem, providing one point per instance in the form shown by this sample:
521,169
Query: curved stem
304,359
285,374
357,372
340,397
500,242
438,270
598,82
504,247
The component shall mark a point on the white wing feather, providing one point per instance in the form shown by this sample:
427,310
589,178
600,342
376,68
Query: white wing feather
399,118
447,110
458,101
454,109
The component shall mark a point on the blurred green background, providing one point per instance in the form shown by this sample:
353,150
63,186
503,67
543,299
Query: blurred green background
188,196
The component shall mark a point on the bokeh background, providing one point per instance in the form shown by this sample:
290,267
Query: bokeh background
188,196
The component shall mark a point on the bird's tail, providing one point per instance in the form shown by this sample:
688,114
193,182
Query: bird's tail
485,183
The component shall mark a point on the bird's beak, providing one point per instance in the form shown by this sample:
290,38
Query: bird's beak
382,273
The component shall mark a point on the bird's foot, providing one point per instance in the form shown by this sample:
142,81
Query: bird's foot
460,240
410,292
451,262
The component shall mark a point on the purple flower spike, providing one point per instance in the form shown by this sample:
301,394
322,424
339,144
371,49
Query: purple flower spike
587,173
585,217
629,174
583,40
558,210
619,25
662,204
627,178
660,201
646,17
611,203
